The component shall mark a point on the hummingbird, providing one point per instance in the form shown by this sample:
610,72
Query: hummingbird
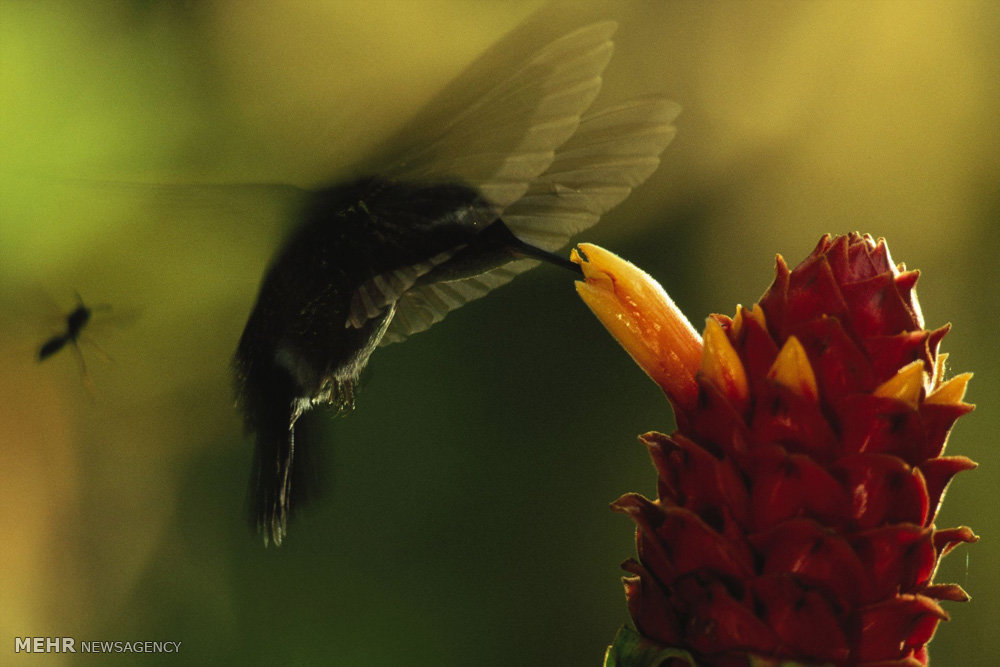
493,176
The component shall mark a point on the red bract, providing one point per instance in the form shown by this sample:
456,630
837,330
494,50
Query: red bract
795,503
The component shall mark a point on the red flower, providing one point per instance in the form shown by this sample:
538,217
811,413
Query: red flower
795,503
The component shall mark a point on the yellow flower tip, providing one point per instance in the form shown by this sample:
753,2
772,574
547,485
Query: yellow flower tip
792,370
951,392
780,265
755,313
879,246
940,368
596,280
721,365
907,385
737,320
643,319
906,280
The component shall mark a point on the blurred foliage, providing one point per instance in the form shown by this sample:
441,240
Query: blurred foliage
468,498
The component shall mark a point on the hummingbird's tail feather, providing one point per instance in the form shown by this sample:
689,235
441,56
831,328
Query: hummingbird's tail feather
270,493
287,474
264,394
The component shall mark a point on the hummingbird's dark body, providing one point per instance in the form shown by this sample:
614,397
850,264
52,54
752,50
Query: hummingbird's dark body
349,235
329,295
506,165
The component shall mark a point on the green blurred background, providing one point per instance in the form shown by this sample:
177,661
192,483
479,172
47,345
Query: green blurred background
467,518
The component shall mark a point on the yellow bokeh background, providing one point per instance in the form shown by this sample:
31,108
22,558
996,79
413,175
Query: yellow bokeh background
466,520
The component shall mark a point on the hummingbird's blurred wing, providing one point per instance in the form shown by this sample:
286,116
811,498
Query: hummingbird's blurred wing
497,126
612,152
374,295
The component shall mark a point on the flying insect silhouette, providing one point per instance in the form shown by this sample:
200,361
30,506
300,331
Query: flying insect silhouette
500,171
75,322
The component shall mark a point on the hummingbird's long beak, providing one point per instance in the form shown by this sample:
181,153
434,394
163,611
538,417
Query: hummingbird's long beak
499,234
529,251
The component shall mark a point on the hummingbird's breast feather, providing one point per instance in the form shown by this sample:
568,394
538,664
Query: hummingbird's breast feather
328,296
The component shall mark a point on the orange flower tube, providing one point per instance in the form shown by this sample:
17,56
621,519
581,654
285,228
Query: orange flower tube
640,315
